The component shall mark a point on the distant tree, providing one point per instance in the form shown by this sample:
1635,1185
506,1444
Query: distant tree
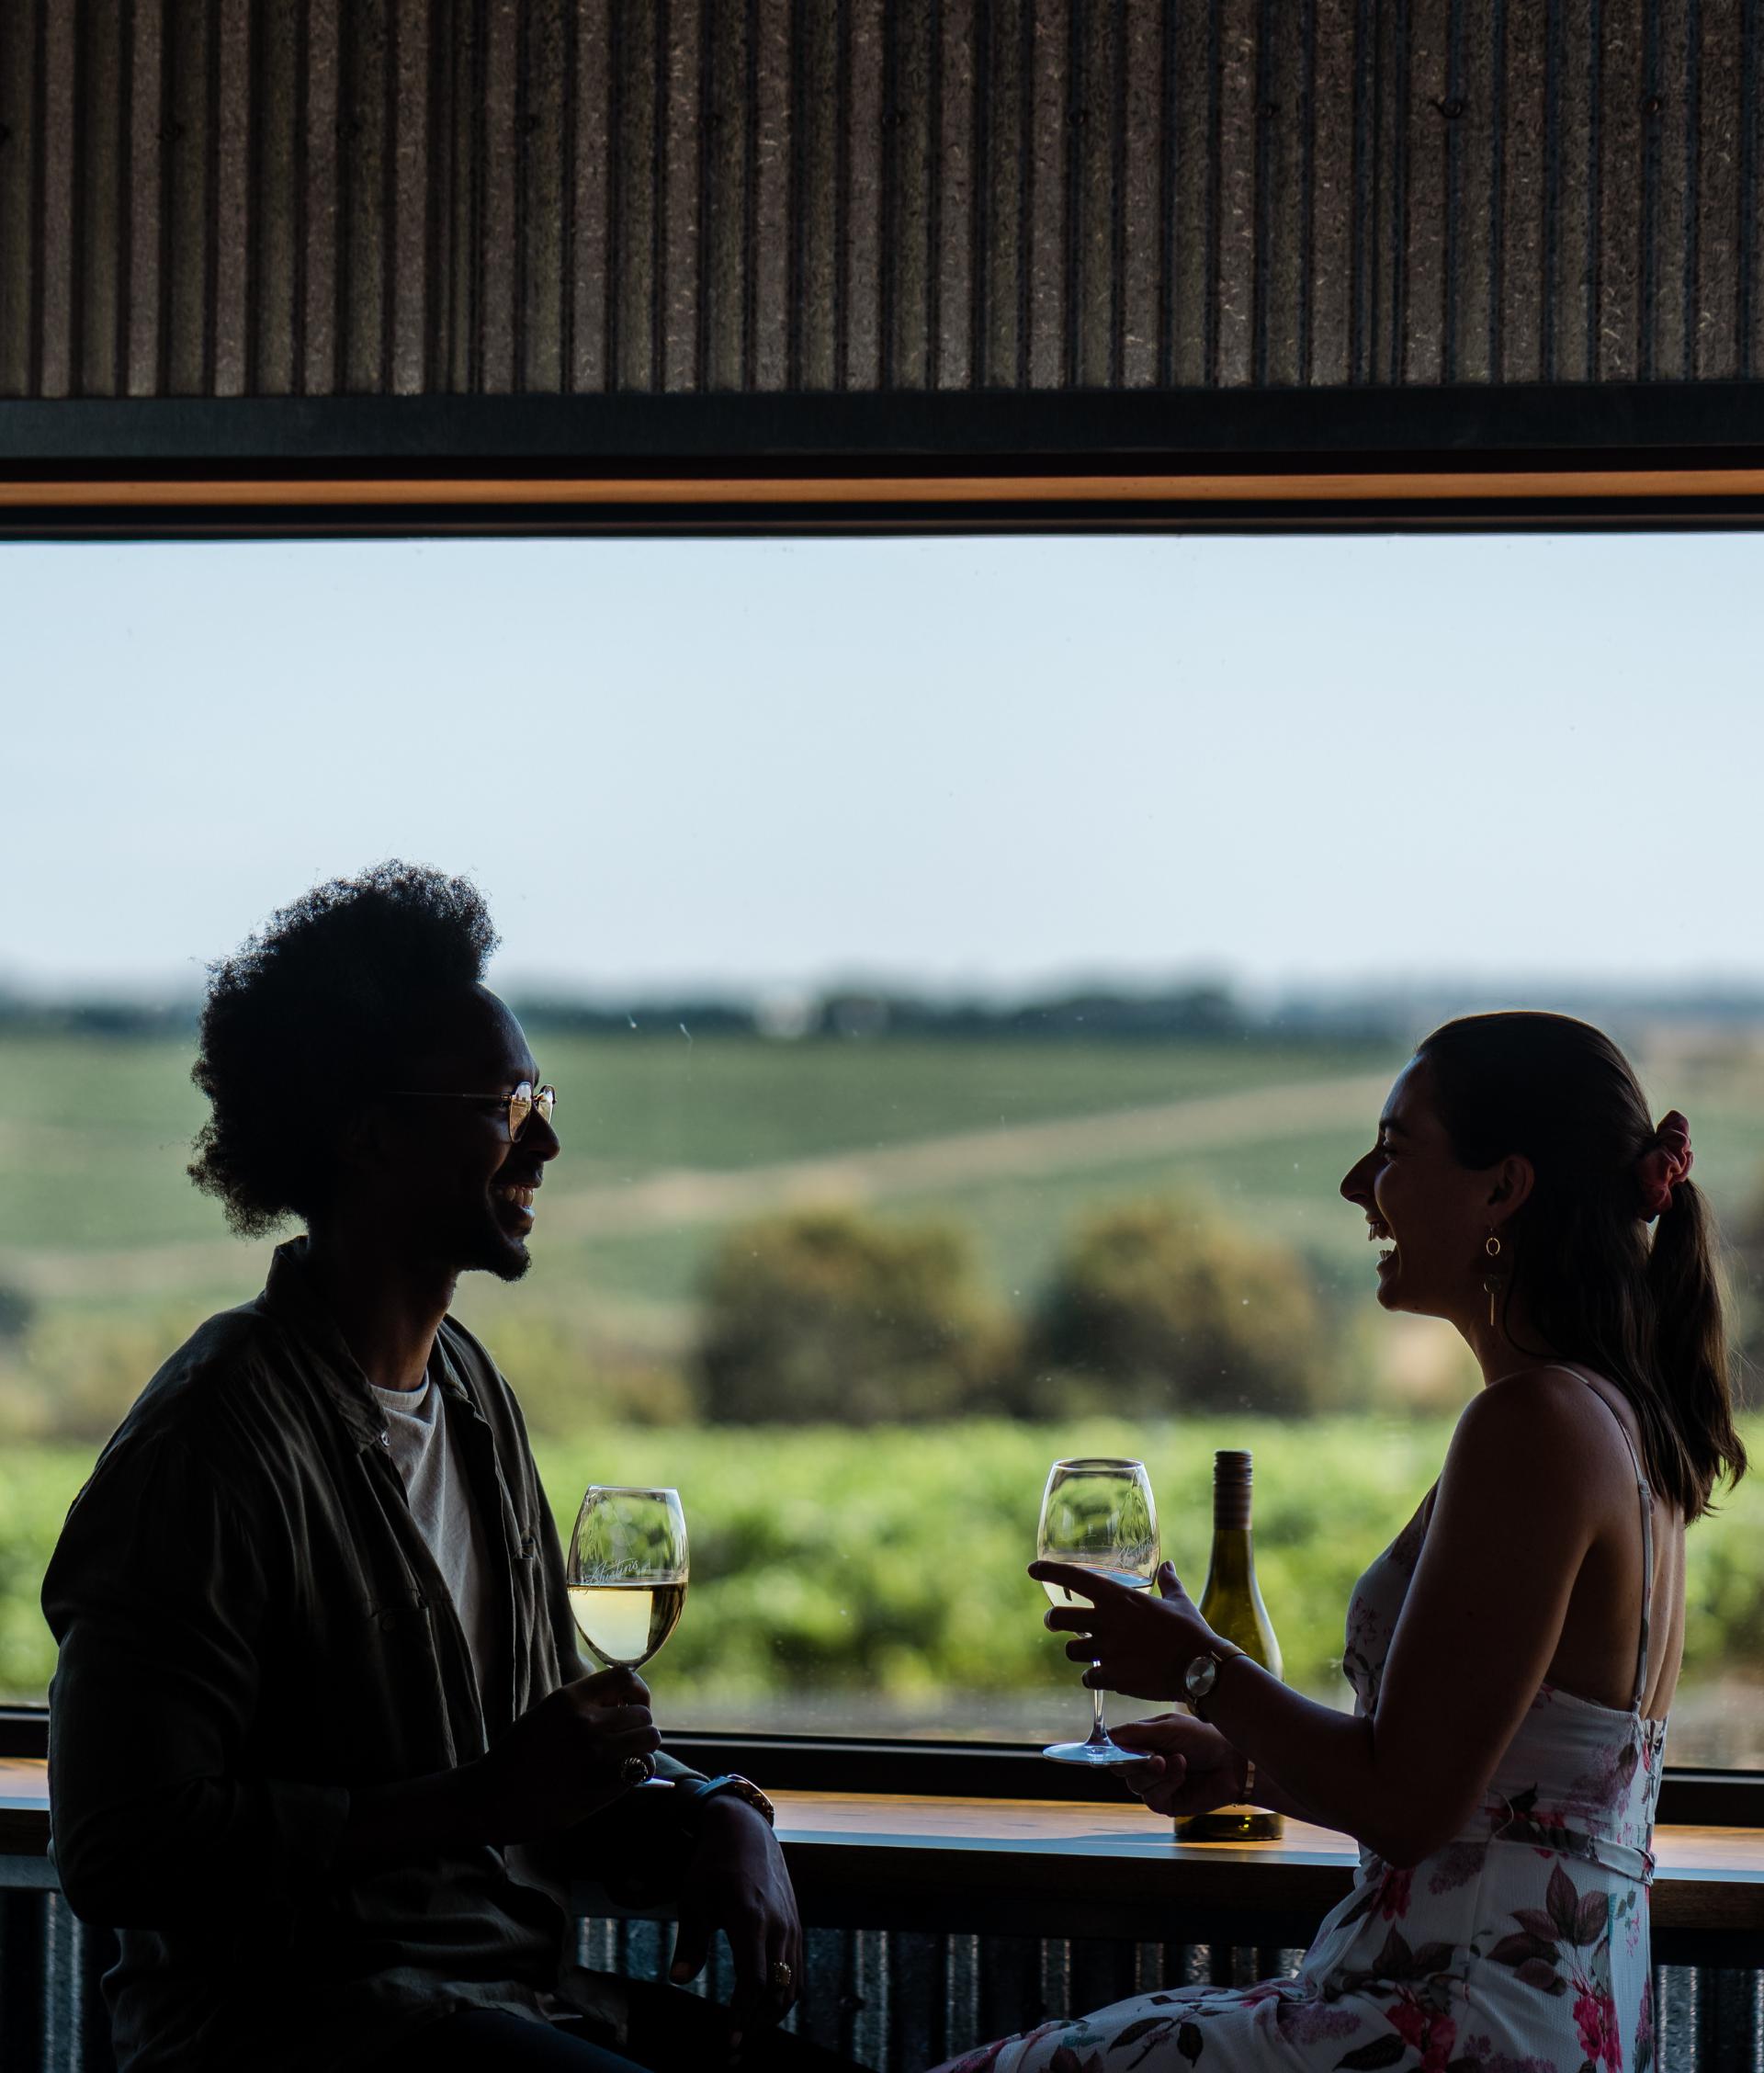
15,1312
832,1316
1162,1307
571,1378
88,1370
1744,1291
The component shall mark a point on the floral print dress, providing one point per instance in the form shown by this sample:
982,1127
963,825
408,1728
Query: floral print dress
1519,1947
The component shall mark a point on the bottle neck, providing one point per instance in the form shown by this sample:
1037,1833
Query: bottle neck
1231,1498
1233,1562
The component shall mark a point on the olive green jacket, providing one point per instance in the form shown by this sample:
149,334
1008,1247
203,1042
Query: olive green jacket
251,1627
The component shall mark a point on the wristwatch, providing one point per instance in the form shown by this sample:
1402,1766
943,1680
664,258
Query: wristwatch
1203,1673
696,1792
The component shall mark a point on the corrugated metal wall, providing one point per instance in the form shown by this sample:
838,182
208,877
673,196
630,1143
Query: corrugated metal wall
895,2001
370,197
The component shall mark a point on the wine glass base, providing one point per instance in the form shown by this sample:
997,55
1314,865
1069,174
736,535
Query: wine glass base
1100,1756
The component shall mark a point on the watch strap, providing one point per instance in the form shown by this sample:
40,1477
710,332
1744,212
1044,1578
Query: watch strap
699,1791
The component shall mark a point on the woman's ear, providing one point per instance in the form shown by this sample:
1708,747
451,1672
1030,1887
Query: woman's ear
1510,1185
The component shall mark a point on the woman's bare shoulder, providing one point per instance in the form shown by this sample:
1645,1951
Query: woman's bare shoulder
1540,1429
1549,1396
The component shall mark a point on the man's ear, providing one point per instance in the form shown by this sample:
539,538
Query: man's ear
1511,1186
360,1140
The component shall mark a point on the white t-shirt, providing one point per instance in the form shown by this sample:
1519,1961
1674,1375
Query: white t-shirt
440,1500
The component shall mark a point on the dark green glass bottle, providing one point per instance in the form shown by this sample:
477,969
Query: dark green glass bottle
1231,1605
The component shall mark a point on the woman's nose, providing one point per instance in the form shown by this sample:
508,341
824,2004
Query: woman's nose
1356,1183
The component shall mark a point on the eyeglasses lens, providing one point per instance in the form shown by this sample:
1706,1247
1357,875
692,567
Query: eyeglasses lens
524,1101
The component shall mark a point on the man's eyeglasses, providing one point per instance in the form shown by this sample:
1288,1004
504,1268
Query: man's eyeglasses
519,1108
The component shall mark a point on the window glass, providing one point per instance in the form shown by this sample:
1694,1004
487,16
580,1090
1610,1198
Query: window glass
967,968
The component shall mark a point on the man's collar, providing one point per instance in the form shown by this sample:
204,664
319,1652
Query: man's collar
290,1297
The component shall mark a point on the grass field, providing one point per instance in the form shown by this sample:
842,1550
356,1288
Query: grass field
824,1557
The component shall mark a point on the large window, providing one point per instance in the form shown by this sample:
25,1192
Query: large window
967,968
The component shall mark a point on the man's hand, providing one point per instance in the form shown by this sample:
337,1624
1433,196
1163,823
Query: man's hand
561,1761
1190,1768
737,1882
1139,1642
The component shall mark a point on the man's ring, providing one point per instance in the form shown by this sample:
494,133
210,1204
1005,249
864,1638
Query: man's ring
782,1974
636,1770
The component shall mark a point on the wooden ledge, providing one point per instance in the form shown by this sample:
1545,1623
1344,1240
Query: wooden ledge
1063,1868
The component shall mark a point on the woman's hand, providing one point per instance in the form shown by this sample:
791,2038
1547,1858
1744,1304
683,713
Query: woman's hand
1190,1767
1139,1642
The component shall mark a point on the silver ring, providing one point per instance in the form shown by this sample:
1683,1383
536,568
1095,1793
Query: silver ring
637,1770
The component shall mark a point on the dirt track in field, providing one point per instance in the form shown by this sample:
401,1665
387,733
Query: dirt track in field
669,1200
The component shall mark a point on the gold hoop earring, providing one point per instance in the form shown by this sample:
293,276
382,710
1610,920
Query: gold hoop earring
1491,1280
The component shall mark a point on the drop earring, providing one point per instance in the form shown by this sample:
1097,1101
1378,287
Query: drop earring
1491,1280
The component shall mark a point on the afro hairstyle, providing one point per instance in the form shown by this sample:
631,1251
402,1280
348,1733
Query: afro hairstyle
289,1019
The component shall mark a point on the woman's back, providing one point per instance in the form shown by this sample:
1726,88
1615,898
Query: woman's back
1595,1655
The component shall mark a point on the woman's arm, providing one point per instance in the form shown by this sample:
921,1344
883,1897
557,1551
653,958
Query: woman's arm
1270,1792
1516,1511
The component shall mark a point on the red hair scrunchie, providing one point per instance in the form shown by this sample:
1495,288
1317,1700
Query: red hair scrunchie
1660,1169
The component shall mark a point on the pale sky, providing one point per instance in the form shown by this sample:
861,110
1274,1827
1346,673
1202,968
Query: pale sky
992,763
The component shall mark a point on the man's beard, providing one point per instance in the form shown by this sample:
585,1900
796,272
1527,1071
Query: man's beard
487,1248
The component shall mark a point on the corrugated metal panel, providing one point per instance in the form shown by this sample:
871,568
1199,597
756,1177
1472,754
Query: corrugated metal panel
393,196
894,2000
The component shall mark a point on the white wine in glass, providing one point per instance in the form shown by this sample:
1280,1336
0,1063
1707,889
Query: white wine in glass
628,1572
1098,1512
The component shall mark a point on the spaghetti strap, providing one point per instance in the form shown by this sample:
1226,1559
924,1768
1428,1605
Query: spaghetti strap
1647,1540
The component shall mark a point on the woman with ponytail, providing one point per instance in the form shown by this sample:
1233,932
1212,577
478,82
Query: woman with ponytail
1514,1652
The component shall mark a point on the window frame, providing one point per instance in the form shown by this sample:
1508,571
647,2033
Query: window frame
1648,456
917,1768
1597,458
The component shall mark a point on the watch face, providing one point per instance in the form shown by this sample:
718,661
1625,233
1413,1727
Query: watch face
1199,1676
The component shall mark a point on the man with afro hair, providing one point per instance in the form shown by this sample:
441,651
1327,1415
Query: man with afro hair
321,1746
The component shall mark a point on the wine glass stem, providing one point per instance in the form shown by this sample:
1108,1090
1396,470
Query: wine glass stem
1099,1732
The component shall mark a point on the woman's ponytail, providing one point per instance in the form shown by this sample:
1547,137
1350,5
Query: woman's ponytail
1689,1354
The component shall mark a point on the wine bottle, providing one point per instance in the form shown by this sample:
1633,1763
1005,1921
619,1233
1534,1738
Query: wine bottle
1231,1605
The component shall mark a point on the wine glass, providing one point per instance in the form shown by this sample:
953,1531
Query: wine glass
1099,1515
627,1571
